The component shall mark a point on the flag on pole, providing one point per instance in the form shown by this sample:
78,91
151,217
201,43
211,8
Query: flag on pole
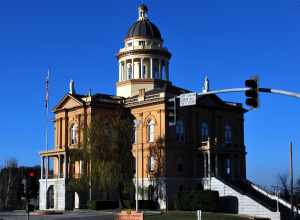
47,89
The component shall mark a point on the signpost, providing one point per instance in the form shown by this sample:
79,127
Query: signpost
188,99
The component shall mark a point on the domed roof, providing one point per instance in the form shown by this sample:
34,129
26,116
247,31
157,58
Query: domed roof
144,28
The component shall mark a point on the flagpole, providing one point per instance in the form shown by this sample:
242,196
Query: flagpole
46,131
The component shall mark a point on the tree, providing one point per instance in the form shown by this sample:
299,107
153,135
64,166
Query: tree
157,166
106,149
9,178
284,186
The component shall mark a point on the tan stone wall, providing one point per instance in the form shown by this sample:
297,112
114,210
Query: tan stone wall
144,114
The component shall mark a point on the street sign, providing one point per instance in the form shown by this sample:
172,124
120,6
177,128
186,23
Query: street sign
188,99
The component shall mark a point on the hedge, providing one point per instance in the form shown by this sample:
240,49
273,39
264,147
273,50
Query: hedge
102,204
197,200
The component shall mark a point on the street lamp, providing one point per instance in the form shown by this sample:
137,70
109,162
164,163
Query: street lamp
137,124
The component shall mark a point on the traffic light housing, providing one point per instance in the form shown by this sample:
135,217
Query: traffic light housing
171,111
252,93
31,184
21,191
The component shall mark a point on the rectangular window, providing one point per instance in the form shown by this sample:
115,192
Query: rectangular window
129,44
228,167
141,43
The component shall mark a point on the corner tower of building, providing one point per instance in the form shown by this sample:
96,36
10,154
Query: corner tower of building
143,61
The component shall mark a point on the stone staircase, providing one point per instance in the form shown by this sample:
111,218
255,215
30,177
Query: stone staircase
249,198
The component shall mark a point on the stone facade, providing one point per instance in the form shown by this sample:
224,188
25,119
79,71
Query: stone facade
207,140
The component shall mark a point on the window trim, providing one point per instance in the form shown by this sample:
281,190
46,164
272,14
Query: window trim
74,134
150,131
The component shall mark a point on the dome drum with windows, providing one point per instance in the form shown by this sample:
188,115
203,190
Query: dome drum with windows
143,61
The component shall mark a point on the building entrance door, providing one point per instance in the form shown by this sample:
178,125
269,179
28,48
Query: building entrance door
50,198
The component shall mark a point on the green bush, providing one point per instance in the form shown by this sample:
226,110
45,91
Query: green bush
197,200
143,204
91,204
101,205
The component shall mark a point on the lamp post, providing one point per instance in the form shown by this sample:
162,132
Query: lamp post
137,124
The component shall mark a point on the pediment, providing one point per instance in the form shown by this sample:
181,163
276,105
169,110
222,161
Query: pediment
68,102
211,101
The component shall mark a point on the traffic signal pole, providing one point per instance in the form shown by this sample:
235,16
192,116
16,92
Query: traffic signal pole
263,90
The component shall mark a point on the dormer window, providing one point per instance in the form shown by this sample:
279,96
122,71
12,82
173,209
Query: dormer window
74,134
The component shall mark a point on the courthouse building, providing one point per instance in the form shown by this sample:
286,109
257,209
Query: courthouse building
204,149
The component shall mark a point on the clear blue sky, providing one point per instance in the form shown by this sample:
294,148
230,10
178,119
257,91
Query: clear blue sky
227,40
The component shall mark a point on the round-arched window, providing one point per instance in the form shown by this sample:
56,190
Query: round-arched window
129,67
150,131
134,135
74,134
204,131
151,163
179,131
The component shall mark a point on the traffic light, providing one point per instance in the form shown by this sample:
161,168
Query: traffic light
171,111
252,94
31,185
21,191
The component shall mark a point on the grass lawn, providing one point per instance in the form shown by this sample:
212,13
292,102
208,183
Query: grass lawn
192,216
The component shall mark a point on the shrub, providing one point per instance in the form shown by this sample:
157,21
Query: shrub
197,200
101,205
143,204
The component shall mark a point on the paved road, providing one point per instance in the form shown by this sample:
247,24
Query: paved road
87,215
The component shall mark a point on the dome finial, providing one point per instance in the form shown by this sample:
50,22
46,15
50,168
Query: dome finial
143,12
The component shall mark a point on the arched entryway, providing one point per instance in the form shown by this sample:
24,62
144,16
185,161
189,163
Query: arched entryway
76,200
50,197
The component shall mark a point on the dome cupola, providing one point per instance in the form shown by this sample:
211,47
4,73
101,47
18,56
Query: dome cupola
143,27
143,61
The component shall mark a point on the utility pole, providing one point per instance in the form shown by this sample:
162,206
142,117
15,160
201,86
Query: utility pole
292,179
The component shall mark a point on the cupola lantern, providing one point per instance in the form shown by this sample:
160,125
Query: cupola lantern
143,61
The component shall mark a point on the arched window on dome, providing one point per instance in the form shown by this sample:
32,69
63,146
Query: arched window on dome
150,131
74,134
204,131
129,70
227,134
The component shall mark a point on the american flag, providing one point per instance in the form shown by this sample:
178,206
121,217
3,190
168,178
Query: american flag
47,89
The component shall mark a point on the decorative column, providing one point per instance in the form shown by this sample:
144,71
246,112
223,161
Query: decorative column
47,168
65,165
42,167
142,69
132,69
126,70
151,68
58,173
120,71
167,70
159,69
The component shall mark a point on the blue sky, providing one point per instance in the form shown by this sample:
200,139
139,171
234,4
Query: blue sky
227,40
